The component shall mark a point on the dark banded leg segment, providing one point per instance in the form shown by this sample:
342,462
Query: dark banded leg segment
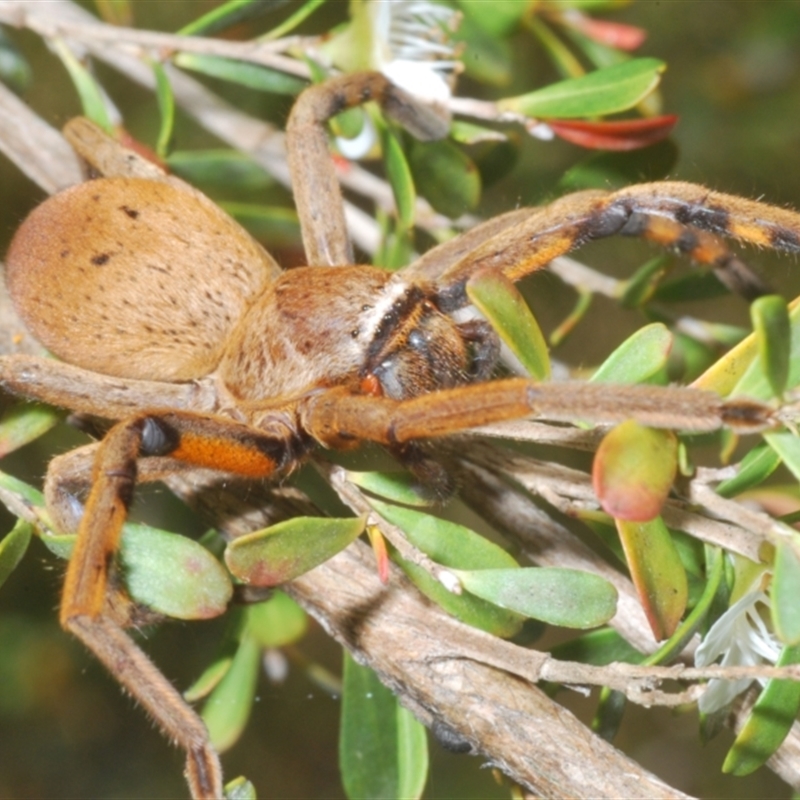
673,214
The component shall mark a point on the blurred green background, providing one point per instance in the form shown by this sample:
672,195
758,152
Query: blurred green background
66,731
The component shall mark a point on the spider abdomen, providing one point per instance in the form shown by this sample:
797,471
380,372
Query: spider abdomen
134,278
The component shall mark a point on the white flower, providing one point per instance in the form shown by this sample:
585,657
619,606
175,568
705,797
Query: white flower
406,40
742,639
410,45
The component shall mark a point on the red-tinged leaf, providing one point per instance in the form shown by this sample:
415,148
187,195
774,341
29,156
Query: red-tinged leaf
633,471
629,134
657,573
378,544
282,552
613,34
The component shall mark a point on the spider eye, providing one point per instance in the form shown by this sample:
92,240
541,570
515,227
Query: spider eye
417,340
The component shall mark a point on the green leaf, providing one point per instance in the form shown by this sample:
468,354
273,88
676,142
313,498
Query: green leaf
23,422
605,91
746,363
15,71
564,597
239,789
173,575
13,548
91,95
445,176
400,179
454,546
228,708
599,647
220,168
399,487
770,316
166,108
486,58
469,133
254,76
276,225
787,446
756,467
383,750
785,591
657,573
281,552
276,622
209,679
292,21
498,18
640,286
231,13
768,723
684,632
499,300
691,287
639,357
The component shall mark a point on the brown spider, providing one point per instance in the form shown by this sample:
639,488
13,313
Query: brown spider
169,317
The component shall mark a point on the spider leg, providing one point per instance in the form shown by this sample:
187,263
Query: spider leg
82,391
316,189
88,606
682,215
335,416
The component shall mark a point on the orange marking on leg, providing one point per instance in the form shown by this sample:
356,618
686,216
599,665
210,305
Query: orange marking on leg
545,252
750,233
224,454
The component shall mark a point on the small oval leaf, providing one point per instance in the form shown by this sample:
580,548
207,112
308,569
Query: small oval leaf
605,91
399,487
281,552
657,573
499,300
564,597
254,76
453,546
173,575
633,471
638,358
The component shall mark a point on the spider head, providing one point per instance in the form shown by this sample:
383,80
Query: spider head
416,348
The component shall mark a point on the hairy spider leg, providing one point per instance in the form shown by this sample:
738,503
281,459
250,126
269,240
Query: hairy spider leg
685,216
87,607
336,416
315,186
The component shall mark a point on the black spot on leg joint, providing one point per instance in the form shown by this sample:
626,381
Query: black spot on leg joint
158,438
